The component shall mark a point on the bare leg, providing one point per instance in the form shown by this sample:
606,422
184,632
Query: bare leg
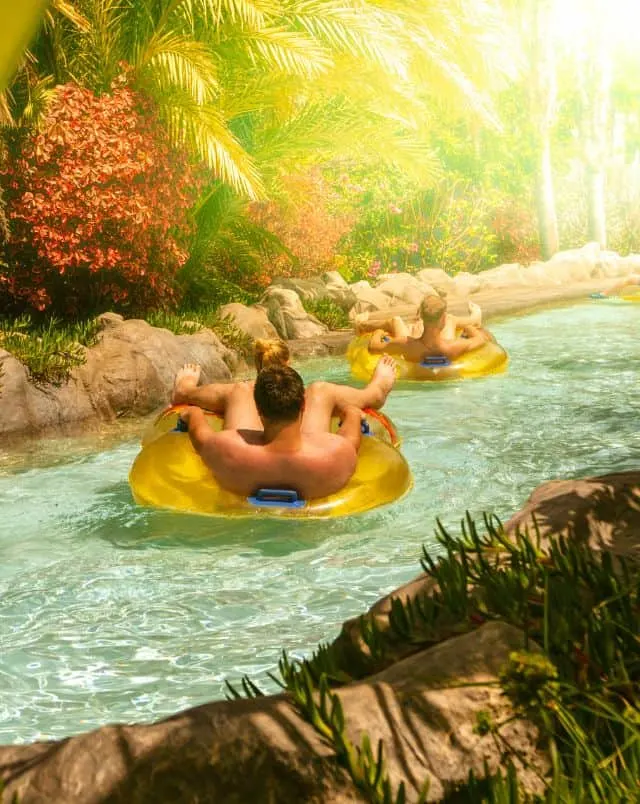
240,410
363,326
632,279
454,322
394,326
398,328
322,398
186,390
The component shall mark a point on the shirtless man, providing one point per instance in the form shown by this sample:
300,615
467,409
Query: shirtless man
396,326
277,436
432,342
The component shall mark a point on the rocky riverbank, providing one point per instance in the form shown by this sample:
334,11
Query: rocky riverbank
446,677
130,371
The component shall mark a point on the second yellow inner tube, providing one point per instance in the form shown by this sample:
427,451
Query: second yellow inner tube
168,473
488,359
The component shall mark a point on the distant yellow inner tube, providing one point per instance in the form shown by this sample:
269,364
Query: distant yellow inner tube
488,359
168,473
630,293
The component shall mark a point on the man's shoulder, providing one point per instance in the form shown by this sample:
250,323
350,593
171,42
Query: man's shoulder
328,445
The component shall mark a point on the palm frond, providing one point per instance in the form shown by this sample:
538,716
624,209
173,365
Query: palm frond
100,47
354,28
69,12
251,14
287,51
176,60
322,130
203,131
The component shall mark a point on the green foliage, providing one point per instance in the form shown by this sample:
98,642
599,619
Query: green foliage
330,313
491,789
229,253
529,679
455,225
188,322
49,350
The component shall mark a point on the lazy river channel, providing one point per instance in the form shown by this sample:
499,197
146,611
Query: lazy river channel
109,612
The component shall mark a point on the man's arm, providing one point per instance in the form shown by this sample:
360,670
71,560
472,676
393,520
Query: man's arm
382,342
351,425
459,347
200,433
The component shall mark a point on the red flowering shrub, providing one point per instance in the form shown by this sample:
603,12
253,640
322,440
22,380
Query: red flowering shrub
309,227
97,204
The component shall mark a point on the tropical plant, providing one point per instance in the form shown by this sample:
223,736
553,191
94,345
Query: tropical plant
97,202
579,685
258,89
50,351
330,313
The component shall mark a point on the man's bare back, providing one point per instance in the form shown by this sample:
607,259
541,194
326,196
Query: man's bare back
259,450
435,339
430,344
242,462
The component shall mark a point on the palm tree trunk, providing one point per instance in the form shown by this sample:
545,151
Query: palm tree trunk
596,96
545,199
543,107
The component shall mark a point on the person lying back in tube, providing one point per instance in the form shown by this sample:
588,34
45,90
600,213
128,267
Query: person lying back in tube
436,338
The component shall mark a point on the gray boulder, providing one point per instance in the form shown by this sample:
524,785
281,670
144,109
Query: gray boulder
130,371
286,313
576,265
253,321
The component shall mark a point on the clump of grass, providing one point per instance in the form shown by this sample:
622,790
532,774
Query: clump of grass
329,313
191,321
178,323
51,350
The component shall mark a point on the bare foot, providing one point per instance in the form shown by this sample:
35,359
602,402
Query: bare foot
475,314
384,375
186,379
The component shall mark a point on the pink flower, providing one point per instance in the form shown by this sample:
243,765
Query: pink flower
395,209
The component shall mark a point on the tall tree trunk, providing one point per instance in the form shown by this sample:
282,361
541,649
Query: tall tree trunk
596,102
545,199
543,109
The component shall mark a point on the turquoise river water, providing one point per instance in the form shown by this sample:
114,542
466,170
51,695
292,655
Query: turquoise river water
109,612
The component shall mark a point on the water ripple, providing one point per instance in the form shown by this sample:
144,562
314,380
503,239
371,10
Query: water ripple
114,613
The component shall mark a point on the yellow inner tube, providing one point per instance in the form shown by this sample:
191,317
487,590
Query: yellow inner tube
168,473
630,293
488,359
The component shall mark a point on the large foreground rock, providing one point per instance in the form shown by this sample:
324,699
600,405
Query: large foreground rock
261,750
603,512
130,371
